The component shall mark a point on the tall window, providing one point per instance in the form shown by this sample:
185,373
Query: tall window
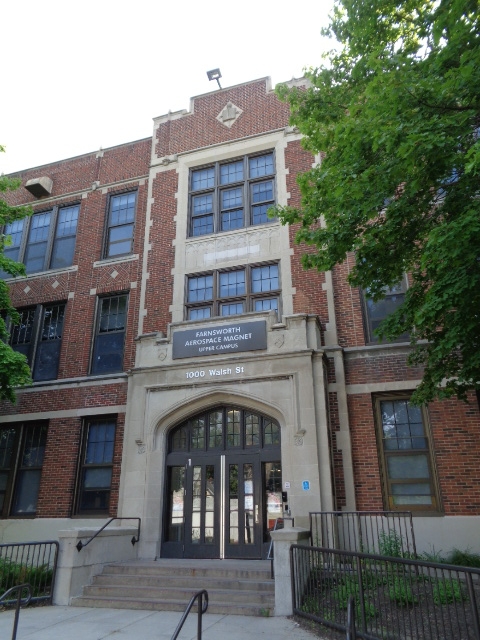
109,335
96,466
376,312
44,241
22,449
231,195
406,456
38,336
226,293
121,218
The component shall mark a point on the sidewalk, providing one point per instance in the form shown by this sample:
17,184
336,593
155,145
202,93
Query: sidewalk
78,623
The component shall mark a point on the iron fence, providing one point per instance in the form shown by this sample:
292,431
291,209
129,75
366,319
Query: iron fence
34,563
394,598
388,533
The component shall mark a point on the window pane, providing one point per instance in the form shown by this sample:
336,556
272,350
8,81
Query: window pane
232,220
26,491
415,466
199,313
108,353
232,172
262,191
203,179
232,198
202,226
215,429
232,283
266,304
233,428
252,430
265,278
62,253
259,214
200,288
176,500
198,433
98,478
122,209
100,443
37,242
113,313
202,204
231,308
261,166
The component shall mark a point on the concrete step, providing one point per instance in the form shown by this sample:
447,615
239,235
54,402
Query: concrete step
234,586
172,605
178,593
168,581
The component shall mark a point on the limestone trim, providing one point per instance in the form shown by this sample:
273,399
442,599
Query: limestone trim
69,413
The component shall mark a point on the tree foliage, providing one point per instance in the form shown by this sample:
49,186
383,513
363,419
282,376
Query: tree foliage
14,370
396,111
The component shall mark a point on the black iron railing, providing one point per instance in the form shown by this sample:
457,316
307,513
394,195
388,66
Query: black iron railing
134,540
394,598
201,609
34,563
19,589
383,532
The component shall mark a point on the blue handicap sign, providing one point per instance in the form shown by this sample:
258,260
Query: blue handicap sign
306,485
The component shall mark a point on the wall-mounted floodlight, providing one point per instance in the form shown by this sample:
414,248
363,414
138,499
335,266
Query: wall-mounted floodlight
215,74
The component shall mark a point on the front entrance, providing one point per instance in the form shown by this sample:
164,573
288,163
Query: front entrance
223,485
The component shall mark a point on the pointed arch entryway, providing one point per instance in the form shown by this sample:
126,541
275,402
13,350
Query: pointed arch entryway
223,484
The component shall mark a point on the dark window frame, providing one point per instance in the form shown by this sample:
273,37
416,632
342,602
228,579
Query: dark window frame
19,252
42,343
247,299
246,185
18,465
368,305
106,253
100,336
81,491
386,454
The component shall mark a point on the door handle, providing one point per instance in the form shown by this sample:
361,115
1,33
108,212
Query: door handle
256,514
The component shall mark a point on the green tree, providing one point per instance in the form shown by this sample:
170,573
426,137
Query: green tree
395,112
14,370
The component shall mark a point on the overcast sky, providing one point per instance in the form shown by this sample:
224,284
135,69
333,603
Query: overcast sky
77,76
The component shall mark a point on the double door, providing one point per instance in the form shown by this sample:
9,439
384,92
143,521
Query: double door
221,506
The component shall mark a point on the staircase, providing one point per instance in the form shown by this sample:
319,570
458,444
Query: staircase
242,587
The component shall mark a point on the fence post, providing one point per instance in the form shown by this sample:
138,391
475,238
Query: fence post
282,541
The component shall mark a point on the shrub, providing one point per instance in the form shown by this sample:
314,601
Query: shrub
448,591
400,592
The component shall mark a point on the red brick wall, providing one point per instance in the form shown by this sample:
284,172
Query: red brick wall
59,475
262,112
455,452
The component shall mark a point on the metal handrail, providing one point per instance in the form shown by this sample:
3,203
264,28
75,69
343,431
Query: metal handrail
19,588
80,545
202,608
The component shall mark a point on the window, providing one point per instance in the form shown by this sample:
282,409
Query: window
376,312
38,336
225,428
407,460
121,218
109,335
96,466
44,241
22,449
226,293
231,195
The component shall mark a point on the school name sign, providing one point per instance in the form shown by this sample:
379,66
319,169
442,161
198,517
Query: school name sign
231,338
